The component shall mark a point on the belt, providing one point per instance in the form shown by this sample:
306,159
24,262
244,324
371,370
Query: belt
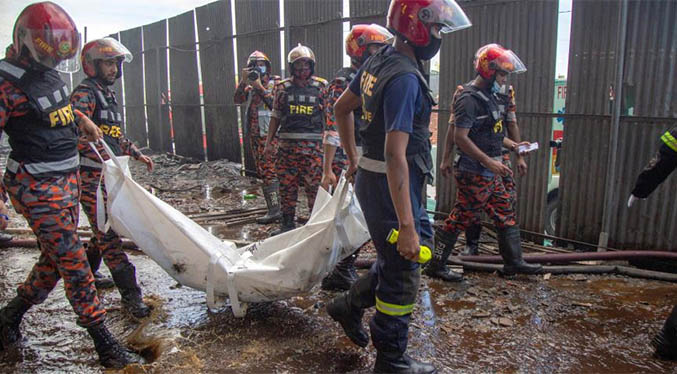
375,166
44,167
84,161
300,136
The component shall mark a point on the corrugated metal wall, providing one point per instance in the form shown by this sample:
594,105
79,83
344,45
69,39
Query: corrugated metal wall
530,29
135,114
155,65
369,11
257,23
325,38
648,90
184,85
218,82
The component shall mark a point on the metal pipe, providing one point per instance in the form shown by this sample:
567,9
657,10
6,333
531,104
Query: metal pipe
578,256
587,269
611,185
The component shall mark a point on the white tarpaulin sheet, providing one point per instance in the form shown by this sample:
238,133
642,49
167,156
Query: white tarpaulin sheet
276,268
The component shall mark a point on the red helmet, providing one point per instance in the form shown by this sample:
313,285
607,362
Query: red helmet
50,36
361,36
103,49
412,19
493,57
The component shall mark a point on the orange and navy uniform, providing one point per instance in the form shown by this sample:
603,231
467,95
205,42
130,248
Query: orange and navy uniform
47,198
257,102
300,109
477,191
83,98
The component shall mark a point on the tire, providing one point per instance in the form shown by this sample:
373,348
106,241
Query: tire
551,212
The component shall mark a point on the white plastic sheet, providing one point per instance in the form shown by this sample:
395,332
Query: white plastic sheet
276,268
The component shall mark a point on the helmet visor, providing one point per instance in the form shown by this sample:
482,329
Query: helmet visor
108,48
447,13
56,49
381,35
508,62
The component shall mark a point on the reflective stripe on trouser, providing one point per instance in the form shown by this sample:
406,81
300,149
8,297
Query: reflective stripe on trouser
299,163
476,194
669,140
396,279
50,206
265,166
108,244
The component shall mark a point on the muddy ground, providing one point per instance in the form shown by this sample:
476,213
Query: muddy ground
567,324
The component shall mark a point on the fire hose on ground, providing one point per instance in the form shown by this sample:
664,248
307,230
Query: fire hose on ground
494,263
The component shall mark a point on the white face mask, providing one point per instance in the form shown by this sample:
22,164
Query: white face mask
262,69
496,87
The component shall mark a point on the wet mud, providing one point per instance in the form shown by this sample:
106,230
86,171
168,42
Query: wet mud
563,324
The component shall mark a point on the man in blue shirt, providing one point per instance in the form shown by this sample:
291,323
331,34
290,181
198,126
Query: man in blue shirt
396,105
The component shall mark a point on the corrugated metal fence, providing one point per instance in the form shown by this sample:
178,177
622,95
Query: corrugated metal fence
648,107
165,105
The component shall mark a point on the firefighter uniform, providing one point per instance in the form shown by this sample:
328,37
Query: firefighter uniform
659,167
299,157
258,109
42,182
392,283
98,102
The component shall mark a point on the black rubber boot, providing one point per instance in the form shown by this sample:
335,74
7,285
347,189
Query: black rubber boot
665,342
94,258
401,364
286,225
4,237
437,267
342,277
472,240
350,319
111,353
10,319
510,246
272,195
125,280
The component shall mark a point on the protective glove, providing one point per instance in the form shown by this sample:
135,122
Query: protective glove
632,200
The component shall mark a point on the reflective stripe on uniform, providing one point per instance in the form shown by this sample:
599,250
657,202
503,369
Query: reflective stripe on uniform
15,71
393,309
669,140
375,166
300,136
84,161
44,167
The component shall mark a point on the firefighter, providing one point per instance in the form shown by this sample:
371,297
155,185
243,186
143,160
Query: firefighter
298,113
255,89
396,106
658,168
102,63
42,173
506,96
479,116
362,42
655,173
